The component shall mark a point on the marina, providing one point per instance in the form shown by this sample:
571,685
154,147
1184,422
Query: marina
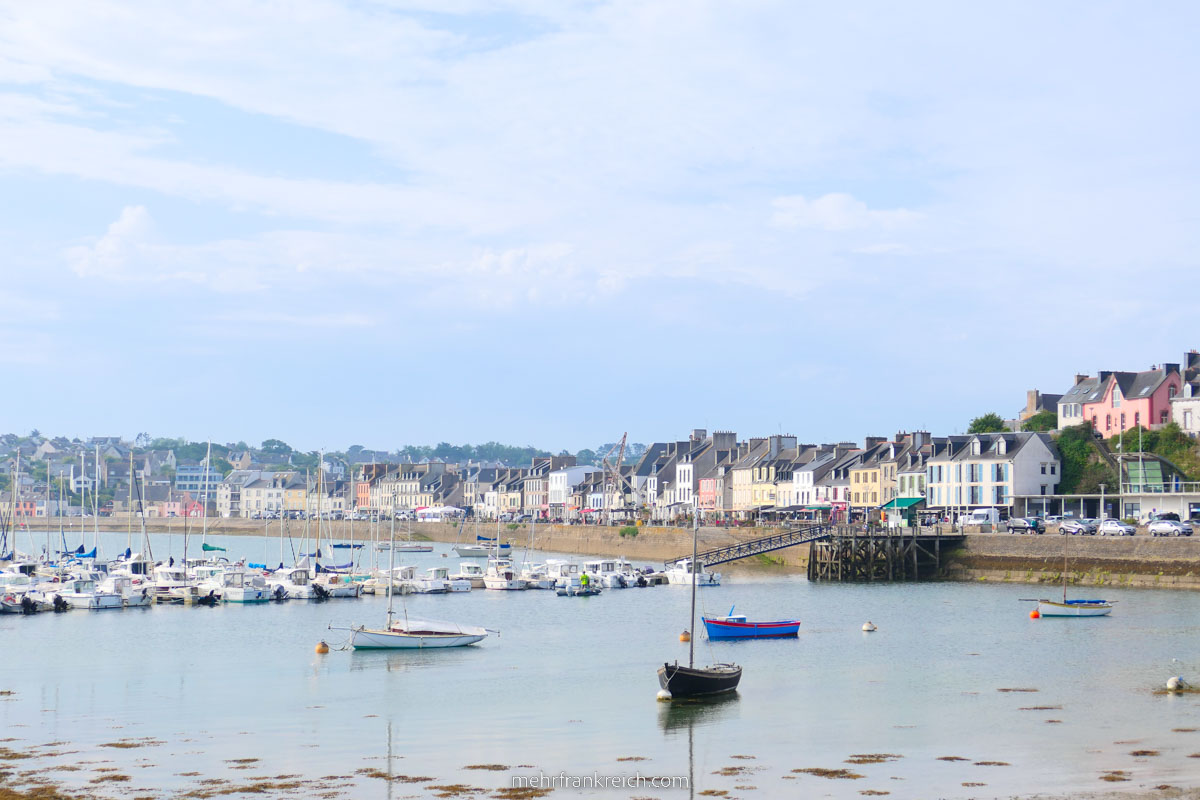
571,684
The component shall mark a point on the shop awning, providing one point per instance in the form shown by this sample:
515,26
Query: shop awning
903,503
818,508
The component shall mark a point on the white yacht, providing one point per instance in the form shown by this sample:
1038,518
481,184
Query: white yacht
238,587
134,592
536,577
470,571
83,593
502,575
171,584
296,582
337,585
442,575
612,573
681,575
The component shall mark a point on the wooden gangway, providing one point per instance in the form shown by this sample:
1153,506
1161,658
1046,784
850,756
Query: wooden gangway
753,547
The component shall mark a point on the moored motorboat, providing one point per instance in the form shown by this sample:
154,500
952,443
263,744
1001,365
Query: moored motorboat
502,575
470,571
680,574
738,627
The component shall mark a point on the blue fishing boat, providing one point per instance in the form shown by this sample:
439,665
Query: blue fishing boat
738,627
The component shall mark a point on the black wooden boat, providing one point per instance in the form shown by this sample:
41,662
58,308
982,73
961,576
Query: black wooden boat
683,681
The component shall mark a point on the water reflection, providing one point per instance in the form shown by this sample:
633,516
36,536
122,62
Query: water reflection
687,713
410,660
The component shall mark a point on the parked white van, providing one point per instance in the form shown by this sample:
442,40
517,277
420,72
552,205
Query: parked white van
980,516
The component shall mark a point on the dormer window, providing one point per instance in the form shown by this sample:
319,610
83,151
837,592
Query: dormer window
976,447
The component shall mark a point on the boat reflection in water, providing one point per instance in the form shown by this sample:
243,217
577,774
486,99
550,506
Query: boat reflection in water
688,713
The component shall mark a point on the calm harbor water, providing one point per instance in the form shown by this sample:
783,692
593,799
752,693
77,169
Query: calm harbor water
569,687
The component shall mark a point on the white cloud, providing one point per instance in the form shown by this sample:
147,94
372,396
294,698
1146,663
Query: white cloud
835,212
112,254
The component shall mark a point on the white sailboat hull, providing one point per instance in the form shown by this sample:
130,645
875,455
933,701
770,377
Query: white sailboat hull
471,551
1049,608
365,639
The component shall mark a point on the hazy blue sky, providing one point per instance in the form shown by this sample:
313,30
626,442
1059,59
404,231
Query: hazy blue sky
547,222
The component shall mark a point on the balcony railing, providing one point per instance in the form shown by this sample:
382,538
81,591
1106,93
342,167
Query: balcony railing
1162,487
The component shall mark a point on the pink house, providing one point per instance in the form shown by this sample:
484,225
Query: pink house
706,495
1124,400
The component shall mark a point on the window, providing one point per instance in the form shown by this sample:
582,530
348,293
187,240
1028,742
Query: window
1043,469
1108,422
1052,466
1163,419
1122,420
1137,418
1171,392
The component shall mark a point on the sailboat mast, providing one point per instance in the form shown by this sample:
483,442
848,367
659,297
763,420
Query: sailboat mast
207,473
391,588
692,638
129,516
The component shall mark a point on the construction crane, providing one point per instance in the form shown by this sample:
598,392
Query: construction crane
612,476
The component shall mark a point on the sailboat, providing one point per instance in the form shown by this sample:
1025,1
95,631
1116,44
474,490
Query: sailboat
1072,608
412,634
692,681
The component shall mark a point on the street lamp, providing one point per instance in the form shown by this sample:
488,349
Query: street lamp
1103,516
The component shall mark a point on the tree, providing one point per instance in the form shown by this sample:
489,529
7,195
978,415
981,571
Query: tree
35,433
1041,422
1083,468
275,446
988,423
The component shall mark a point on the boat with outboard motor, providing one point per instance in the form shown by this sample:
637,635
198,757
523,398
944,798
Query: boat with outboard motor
738,627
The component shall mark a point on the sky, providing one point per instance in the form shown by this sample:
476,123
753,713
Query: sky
549,222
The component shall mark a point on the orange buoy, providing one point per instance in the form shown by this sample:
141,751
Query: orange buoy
322,647
685,637
1034,614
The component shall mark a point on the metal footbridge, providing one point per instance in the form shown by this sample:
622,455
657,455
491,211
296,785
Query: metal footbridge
753,547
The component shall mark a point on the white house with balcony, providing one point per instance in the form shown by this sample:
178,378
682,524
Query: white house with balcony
991,470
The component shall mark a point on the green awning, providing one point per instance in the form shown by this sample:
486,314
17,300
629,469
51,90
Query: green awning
902,502
818,508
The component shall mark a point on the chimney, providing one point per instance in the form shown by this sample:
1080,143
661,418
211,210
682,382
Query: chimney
1080,378
1169,368
871,441
699,435
724,440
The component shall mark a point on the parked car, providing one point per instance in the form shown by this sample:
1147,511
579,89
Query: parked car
1026,525
1077,527
1169,527
1115,527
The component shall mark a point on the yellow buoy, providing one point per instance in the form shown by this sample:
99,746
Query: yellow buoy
322,647
685,637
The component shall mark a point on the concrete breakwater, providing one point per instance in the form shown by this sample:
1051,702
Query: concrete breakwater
1143,561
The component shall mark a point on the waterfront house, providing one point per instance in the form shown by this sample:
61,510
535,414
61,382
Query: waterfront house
991,470
562,486
1119,401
